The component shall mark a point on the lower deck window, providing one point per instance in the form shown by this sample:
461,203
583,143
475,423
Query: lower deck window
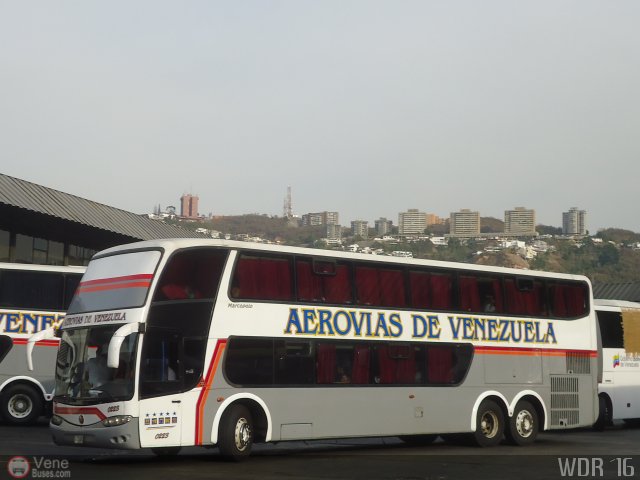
276,362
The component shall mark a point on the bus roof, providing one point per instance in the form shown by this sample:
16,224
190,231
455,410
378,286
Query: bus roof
42,268
606,302
180,243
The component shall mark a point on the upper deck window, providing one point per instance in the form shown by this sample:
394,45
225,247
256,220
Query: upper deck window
191,274
323,281
261,277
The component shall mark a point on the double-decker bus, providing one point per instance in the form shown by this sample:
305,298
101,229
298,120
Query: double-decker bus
229,343
32,299
619,389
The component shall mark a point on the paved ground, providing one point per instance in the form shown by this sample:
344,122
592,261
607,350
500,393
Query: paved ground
614,453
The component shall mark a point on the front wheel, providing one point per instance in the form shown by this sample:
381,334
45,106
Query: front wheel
523,424
21,404
489,424
236,433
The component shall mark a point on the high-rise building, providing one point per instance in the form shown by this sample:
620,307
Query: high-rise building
520,221
412,222
360,228
574,222
287,210
464,223
189,206
383,226
334,232
320,218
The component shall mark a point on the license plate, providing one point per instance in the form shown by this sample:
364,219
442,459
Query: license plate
78,439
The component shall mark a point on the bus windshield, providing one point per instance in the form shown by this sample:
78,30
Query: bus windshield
82,375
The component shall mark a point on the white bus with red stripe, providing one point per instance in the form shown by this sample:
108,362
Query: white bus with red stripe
33,298
219,343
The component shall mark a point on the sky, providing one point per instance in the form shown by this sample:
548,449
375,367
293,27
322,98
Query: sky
365,107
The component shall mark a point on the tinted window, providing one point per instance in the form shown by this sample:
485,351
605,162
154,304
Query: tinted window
611,329
262,278
568,300
5,346
249,361
31,290
294,362
524,296
480,294
263,362
191,274
323,282
382,287
431,290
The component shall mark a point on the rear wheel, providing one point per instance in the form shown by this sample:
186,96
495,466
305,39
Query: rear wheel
605,413
236,433
21,404
489,424
523,424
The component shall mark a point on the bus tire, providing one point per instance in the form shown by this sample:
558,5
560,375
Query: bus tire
489,424
605,413
21,404
523,424
235,437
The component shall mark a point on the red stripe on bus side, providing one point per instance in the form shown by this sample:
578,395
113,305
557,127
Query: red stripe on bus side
125,278
115,286
41,343
547,352
85,410
204,393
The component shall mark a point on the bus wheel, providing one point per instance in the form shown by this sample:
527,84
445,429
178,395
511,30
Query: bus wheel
489,424
21,404
236,433
604,413
523,425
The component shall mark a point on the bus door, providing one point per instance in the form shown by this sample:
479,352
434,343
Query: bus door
161,386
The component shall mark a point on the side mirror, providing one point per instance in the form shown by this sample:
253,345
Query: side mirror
113,356
48,334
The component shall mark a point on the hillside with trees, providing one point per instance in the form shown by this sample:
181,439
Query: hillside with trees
611,256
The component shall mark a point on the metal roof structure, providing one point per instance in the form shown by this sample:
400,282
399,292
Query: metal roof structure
617,291
30,198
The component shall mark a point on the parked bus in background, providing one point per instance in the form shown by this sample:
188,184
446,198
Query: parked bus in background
32,299
619,389
228,343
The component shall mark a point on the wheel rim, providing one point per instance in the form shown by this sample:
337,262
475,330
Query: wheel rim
524,423
242,434
489,424
20,406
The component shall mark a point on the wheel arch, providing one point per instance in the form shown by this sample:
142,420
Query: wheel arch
494,395
24,380
259,411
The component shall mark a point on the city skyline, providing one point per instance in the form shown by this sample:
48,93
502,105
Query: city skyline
456,105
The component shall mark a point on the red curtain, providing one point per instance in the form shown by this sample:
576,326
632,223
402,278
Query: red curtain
326,363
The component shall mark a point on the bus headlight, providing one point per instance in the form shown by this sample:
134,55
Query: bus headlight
56,420
117,420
